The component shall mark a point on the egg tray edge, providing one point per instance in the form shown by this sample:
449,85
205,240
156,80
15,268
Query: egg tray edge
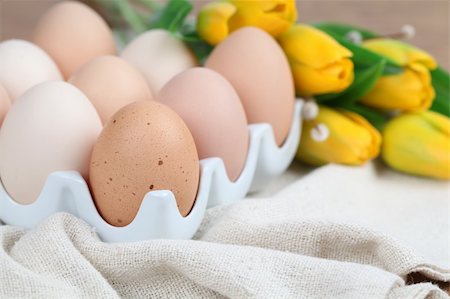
158,217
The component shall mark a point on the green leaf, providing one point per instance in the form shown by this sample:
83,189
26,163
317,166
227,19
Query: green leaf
441,82
365,79
172,16
391,69
377,119
362,56
200,48
441,78
342,30
442,107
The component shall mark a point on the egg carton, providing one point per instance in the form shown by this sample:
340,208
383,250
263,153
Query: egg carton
158,216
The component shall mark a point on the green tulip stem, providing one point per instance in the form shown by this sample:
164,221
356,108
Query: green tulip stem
151,5
121,36
131,16
406,32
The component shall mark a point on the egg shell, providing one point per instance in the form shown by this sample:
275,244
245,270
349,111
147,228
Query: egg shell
213,112
24,65
111,83
160,56
52,127
252,61
73,33
5,103
144,147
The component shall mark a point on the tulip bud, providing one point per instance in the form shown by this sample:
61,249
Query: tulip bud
418,143
410,90
212,21
216,20
400,53
351,139
319,63
273,16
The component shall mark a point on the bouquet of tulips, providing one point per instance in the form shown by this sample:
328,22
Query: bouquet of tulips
368,94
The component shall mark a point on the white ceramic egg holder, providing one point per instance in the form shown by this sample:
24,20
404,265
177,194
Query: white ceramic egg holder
158,216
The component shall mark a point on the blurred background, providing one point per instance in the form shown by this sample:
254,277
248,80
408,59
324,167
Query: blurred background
431,18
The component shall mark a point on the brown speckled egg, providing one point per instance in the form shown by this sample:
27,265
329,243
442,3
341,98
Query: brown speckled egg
252,61
145,146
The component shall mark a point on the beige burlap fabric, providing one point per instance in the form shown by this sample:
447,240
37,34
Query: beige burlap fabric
257,248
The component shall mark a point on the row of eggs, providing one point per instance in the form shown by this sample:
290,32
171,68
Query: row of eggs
134,123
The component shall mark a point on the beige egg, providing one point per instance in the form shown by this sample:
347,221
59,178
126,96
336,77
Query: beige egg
5,104
252,61
111,83
145,146
213,112
160,56
52,127
24,65
73,33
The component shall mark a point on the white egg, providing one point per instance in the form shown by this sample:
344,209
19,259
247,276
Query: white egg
160,56
23,65
52,127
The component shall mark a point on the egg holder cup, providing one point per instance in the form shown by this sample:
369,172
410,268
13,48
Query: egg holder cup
158,216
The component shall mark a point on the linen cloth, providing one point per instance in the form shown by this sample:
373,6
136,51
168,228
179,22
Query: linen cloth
336,232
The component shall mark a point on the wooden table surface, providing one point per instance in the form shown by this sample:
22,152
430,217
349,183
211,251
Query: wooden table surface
430,18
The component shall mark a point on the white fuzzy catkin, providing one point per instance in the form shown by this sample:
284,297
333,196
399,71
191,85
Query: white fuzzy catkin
408,31
320,132
354,37
310,110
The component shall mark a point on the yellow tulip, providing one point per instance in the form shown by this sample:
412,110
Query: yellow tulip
352,139
418,143
273,16
319,63
212,21
216,20
408,91
400,53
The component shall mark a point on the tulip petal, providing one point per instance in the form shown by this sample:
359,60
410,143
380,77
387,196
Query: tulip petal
352,140
330,78
410,90
440,122
285,9
374,149
413,143
212,21
274,16
401,53
312,47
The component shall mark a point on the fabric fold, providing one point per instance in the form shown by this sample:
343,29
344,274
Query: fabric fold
314,239
64,258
